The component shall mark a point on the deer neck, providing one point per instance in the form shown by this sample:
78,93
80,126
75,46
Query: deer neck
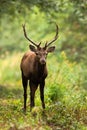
40,68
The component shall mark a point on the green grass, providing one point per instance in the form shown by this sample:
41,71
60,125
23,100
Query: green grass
65,97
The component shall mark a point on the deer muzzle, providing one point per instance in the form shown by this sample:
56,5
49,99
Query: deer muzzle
43,61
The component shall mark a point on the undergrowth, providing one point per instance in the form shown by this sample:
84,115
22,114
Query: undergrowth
65,97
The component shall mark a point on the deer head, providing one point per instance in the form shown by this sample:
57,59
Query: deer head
41,52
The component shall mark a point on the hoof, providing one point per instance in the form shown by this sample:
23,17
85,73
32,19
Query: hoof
24,110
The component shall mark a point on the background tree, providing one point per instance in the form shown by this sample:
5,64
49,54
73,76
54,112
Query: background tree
70,15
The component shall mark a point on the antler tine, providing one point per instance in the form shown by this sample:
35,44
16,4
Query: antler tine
55,38
25,34
39,44
45,44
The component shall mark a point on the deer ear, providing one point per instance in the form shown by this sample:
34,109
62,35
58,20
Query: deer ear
32,48
51,49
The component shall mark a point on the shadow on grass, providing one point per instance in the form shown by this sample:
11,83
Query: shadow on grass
5,92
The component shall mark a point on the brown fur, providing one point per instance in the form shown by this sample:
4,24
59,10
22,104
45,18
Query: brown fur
36,73
31,67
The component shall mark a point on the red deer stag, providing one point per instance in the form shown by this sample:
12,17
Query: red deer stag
33,68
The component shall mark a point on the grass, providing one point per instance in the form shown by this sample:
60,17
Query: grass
65,97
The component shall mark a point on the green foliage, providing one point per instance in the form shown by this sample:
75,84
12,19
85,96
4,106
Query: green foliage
65,97
70,16
54,92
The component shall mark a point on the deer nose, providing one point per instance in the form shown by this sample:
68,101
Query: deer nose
43,61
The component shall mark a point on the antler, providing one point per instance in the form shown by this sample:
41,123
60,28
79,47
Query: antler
25,34
55,38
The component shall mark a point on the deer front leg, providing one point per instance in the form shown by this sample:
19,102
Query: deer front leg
33,88
42,84
24,82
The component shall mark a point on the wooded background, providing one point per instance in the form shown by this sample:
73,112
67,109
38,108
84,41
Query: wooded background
66,85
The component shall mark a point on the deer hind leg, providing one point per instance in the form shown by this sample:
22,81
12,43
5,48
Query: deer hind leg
24,83
33,88
42,84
